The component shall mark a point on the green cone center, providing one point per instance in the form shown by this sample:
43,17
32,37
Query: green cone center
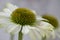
52,20
23,16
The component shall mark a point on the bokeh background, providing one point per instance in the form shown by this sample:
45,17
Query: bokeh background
40,6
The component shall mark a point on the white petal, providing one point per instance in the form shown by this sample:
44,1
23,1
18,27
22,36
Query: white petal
44,33
12,28
32,35
46,26
47,35
44,29
40,31
11,7
34,12
40,18
31,27
7,12
53,34
4,20
58,35
25,30
38,35
15,30
3,14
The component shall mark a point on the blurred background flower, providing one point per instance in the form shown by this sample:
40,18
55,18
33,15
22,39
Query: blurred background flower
40,6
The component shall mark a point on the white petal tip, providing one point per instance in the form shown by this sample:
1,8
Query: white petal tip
34,11
11,7
25,30
40,18
8,4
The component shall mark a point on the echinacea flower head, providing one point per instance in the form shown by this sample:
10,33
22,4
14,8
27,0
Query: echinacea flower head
23,16
52,20
13,17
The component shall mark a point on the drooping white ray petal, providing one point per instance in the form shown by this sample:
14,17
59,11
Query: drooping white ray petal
40,18
34,12
16,30
53,34
12,28
57,31
38,21
7,12
44,29
31,27
11,7
47,35
4,20
44,33
57,34
25,29
3,14
40,31
46,26
32,35
38,35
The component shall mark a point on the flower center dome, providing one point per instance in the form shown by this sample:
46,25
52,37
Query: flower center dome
23,16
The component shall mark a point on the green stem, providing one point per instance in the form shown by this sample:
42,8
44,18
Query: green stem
20,35
44,38
11,37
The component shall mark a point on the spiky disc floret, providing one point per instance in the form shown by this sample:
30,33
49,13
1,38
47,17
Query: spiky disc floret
23,16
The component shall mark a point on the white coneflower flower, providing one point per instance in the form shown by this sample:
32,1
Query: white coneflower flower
17,19
53,20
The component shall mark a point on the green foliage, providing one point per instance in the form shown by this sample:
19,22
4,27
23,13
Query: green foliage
23,16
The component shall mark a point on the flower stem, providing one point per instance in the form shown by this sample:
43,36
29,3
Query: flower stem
20,35
11,37
44,38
